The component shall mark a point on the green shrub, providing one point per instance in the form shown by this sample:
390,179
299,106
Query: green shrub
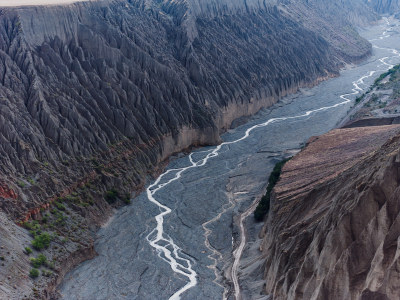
28,250
263,207
50,264
127,198
31,225
59,205
45,219
391,72
34,273
84,204
60,219
42,259
111,196
39,261
90,200
35,263
71,198
41,241
35,233
26,225
47,273
21,184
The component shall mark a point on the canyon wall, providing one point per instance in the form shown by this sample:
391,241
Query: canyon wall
332,232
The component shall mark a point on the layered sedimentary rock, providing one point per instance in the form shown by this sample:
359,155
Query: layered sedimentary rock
332,232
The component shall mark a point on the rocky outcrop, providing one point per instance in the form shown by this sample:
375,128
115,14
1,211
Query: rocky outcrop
332,231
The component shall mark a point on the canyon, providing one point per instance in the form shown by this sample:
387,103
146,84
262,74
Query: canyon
203,195
95,98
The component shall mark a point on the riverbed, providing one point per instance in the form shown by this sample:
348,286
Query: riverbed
176,239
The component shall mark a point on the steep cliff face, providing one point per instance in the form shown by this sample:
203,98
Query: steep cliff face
333,230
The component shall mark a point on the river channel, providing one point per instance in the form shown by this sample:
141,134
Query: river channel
177,238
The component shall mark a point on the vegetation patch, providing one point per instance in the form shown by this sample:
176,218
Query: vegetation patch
47,273
21,184
59,205
41,241
127,198
63,223
39,261
358,99
34,273
391,72
263,207
111,196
